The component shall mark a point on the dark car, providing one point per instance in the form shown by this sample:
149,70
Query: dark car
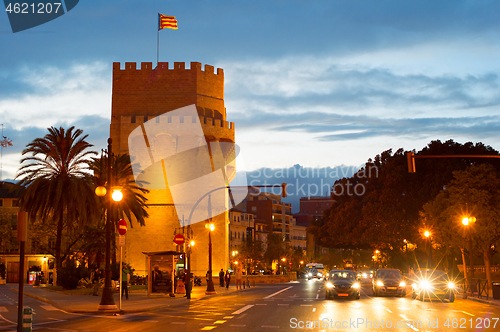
389,282
432,284
342,283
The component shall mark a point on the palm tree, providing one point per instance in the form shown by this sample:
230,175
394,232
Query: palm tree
133,201
57,181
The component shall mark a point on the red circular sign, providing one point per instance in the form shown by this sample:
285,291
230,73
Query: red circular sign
122,227
179,239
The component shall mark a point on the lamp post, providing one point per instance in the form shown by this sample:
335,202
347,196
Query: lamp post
427,235
467,221
107,301
406,254
210,284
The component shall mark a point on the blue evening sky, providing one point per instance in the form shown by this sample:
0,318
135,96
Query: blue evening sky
316,83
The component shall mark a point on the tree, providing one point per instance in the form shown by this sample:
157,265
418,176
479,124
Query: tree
475,192
57,182
379,206
133,202
251,252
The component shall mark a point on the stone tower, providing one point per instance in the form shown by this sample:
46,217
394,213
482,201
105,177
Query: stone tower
143,94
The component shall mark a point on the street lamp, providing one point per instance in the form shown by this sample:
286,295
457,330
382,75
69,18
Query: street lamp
427,235
210,284
467,221
107,301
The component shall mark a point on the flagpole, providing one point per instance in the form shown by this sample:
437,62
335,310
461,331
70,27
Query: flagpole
158,48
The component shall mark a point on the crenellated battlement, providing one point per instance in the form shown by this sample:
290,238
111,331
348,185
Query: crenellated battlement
178,66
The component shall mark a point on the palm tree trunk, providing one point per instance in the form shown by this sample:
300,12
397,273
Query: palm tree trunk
58,247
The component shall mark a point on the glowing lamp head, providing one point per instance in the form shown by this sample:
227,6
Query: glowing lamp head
210,227
100,191
117,195
192,243
465,221
427,233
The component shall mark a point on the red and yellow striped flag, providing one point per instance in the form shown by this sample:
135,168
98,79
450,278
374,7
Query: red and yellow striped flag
165,21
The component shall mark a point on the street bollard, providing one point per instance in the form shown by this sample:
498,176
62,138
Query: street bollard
27,320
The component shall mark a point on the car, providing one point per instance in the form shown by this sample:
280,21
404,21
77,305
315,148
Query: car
365,276
388,282
342,284
432,284
313,273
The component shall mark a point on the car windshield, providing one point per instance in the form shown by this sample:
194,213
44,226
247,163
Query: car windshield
342,275
389,274
434,276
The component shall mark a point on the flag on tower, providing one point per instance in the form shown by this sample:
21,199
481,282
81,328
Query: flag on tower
165,21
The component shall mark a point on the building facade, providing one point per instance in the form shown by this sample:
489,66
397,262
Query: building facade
147,95
311,209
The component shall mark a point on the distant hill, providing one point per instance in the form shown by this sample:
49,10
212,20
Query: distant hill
302,181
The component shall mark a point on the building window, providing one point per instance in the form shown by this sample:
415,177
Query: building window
15,203
254,209
1,202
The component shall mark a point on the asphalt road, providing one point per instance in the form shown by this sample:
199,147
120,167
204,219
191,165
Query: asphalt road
280,307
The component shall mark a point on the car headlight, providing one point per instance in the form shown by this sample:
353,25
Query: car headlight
402,284
320,274
309,275
327,275
329,285
380,283
426,285
451,285
364,275
355,285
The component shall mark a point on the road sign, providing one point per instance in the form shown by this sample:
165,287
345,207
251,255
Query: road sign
122,227
179,239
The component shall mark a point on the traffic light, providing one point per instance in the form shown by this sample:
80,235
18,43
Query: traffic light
283,190
410,156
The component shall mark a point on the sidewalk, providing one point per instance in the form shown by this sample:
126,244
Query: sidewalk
138,300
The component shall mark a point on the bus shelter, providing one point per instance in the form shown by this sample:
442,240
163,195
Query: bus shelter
163,266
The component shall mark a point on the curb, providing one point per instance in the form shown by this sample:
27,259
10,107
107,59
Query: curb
475,299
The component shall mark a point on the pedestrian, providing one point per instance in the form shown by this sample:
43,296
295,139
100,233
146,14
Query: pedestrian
125,274
221,277
227,278
95,280
185,279
239,276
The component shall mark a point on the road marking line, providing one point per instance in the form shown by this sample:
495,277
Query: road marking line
467,313
408,324
228,317
8,321
281,291
219,322
206,328
237,312
388,310
48,307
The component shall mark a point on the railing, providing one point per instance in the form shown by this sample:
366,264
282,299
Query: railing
479,268
475,288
